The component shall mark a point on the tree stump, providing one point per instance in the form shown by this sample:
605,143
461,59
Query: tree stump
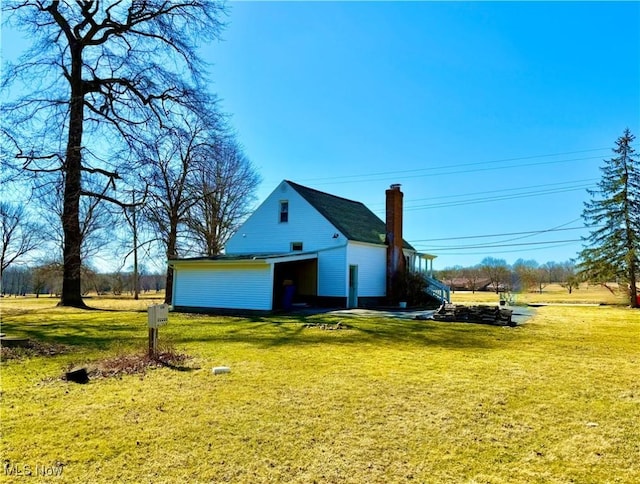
14,342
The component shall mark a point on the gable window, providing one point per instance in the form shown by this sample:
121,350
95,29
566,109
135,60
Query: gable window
284,211
296,246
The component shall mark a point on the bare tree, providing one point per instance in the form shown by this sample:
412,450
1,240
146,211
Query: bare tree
19,236
46,278
473,274
526,273
544,275
567,276
98,70
172,159
97,221
17,281
227,187
497,271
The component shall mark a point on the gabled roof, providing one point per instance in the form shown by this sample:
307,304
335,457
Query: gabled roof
352,218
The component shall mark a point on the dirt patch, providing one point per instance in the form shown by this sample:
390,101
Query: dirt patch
327,327
32,348
137,364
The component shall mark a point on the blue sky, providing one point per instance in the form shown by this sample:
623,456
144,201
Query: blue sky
494,117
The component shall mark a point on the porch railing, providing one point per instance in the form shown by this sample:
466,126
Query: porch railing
438,290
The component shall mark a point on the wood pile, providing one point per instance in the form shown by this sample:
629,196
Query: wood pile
474,314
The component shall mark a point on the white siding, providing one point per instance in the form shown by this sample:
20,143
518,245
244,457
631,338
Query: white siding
243,286
233,287
332,270
263,233
372,273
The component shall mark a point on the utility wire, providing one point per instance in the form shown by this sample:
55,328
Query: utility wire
494,192
473,201
359,178
501,243
533,232
364,178
458,165
529,249
491,246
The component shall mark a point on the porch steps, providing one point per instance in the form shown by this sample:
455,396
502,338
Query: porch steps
438,290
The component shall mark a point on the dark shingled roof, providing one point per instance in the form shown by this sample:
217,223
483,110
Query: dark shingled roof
353,219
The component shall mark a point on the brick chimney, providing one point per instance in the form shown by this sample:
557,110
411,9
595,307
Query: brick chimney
395,258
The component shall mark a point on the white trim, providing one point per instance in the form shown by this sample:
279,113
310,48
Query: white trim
208,262
291,258
257,260
367,244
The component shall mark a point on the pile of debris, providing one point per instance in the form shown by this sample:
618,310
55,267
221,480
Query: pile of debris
474,314
129,364
329,327
13,348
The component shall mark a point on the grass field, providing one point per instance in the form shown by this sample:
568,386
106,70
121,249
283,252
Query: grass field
552,294
386,400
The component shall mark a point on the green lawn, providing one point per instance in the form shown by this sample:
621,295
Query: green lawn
387,400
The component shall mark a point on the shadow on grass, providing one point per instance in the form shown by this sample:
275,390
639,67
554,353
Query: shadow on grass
99,330
268,332
90,335
181,368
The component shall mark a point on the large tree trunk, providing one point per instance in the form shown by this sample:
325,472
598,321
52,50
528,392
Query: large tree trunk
168,290
71,290
171,253
633,286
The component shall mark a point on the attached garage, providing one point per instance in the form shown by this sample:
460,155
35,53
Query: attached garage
247,282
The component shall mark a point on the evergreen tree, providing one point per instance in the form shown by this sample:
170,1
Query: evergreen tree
612,250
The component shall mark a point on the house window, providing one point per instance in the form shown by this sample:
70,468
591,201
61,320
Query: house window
296,246
284,211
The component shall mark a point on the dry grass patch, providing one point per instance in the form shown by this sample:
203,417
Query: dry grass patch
555,400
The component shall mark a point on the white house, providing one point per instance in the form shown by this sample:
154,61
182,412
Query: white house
300,246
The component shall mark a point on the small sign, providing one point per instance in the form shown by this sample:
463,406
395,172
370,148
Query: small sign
158,315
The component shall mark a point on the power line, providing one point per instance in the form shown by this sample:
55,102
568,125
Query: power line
473,201
459,165
364,178
533,232
572,182
529,249
501,243
492,246
494,192
500,198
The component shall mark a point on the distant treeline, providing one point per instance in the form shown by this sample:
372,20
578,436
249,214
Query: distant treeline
524,275
47,280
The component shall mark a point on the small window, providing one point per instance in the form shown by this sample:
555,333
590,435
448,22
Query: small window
296,246
284,211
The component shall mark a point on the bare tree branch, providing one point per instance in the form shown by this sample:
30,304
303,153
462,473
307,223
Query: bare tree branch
100,70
